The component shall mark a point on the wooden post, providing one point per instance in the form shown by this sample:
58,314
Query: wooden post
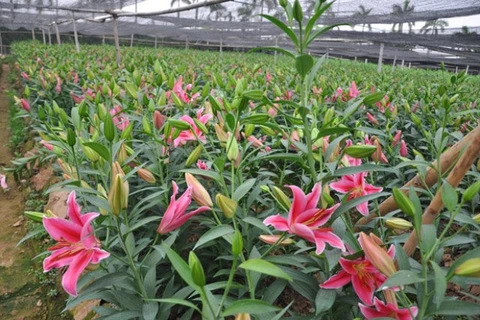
355,58
456,69
75,34
403,62
131,41
221,46
117,43
466,70
275,52
394,60
327,55
409,65
43,36
186,43
1,43
155,42
58,33
366,60
103,39
380,58
49,36
33,34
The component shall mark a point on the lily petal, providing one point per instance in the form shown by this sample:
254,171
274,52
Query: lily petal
70,278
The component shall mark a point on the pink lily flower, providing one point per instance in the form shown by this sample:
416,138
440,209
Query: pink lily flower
176,215
372,119
353,91
25,105
76,99
76,246
356,186
397,137
388,310
202,165
3,182
403,149
365,278
304,219
188,135
182,94
120,120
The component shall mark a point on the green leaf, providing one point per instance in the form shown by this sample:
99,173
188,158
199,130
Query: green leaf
440,284
324,300
289,32
206,173
250,306
402,257
243,189
449,196
257,223
179,265
315,69
265,267
457,308
355,202
401,278
100,149
321,31
428,236
149,310
373,98
311,22
365,167
214,233
304,64
351,109
176,301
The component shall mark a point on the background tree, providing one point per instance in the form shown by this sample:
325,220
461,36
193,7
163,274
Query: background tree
403,11
433,26
362,13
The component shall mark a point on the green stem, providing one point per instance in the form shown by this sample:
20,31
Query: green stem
229,284
206,301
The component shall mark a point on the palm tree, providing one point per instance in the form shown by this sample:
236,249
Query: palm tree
218,10
466,32
362,13
245,11
178,4
403,11
433,26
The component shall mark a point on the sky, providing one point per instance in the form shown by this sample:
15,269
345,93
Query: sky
158,5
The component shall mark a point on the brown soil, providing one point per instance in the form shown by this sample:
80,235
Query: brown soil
23,295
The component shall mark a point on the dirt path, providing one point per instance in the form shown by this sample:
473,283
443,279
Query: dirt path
18,290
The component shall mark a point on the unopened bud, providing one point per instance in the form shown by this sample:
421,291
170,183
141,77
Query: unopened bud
470,268
471,192
273,239
227,205
198,275
281,198
146,175
199,193
398,224
232,148
158,119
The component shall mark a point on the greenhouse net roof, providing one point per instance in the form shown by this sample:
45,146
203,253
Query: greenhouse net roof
399,25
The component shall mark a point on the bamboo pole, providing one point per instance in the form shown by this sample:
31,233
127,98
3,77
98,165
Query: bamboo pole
447,160
58,34
1,43
75,34
33,34
117,43
131,41
49,36
380,58
43,36
454,179
275,52
155,42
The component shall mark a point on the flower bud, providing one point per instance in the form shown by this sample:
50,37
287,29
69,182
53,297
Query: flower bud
198,275
194,155
158,119
398,224
199,193
249,128
35,216
71,137
281,198
119,190
360,151
476,218
377,155
232,148
471,192
329,116
103,193
273,239
243,316
283,3
227,205
397,138
221,134
146,126
470,268
146,175
25,105
377,255
108,127
297,11
403,202
237,243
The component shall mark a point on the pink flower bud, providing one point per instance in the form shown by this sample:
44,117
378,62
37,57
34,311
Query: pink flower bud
371,118
47,145
397,137
403,149
25,105
158,119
